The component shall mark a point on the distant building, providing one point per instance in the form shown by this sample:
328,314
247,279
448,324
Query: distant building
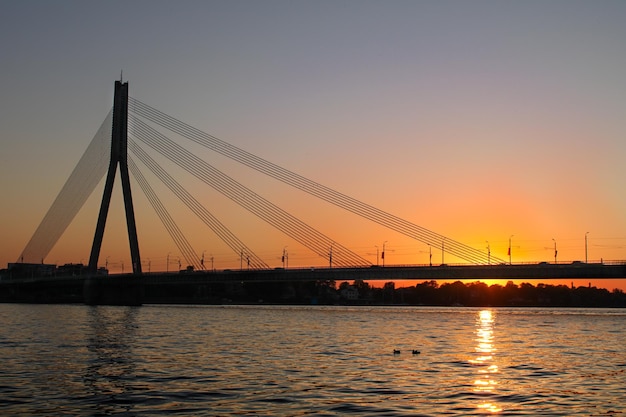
350,293
25,270
72,270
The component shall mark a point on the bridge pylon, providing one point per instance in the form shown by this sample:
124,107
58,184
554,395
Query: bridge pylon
119,157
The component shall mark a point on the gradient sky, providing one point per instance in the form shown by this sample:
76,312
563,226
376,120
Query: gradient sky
475,119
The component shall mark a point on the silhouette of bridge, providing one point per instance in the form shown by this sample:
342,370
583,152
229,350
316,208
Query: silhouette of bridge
136,130
133,129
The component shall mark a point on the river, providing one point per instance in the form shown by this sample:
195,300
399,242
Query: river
75,360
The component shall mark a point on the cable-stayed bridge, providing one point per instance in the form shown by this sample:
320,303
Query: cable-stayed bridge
134,131
140,133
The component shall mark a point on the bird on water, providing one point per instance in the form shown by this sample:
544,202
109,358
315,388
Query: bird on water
414,352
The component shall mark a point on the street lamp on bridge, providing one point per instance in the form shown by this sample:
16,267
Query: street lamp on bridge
285,258
510,261
586,260
430,255
383,253
555,251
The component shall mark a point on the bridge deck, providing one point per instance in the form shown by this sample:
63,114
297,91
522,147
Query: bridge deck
194,286
460,272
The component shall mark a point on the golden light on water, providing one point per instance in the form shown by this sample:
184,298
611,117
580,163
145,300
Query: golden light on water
487,370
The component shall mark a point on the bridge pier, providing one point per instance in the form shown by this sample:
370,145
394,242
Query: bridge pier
116,289
126,290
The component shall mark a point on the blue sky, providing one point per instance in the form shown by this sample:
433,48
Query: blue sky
476,119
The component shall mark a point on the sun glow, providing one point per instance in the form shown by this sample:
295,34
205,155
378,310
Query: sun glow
486,382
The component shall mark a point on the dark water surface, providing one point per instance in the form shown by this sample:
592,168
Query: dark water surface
286,361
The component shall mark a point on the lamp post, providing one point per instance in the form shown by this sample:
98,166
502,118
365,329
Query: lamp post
382,255
330,256
586,259
488,253
510,261
430,255
555,251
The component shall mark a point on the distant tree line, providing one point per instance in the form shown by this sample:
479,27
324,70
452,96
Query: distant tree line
428,293
479,294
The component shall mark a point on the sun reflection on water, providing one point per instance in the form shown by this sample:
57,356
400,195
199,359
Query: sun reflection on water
485,382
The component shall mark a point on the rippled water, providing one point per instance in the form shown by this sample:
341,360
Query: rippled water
287,361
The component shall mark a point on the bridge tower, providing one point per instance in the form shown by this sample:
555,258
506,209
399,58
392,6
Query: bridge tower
119,156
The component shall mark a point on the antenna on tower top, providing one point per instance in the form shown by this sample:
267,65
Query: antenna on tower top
121,73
